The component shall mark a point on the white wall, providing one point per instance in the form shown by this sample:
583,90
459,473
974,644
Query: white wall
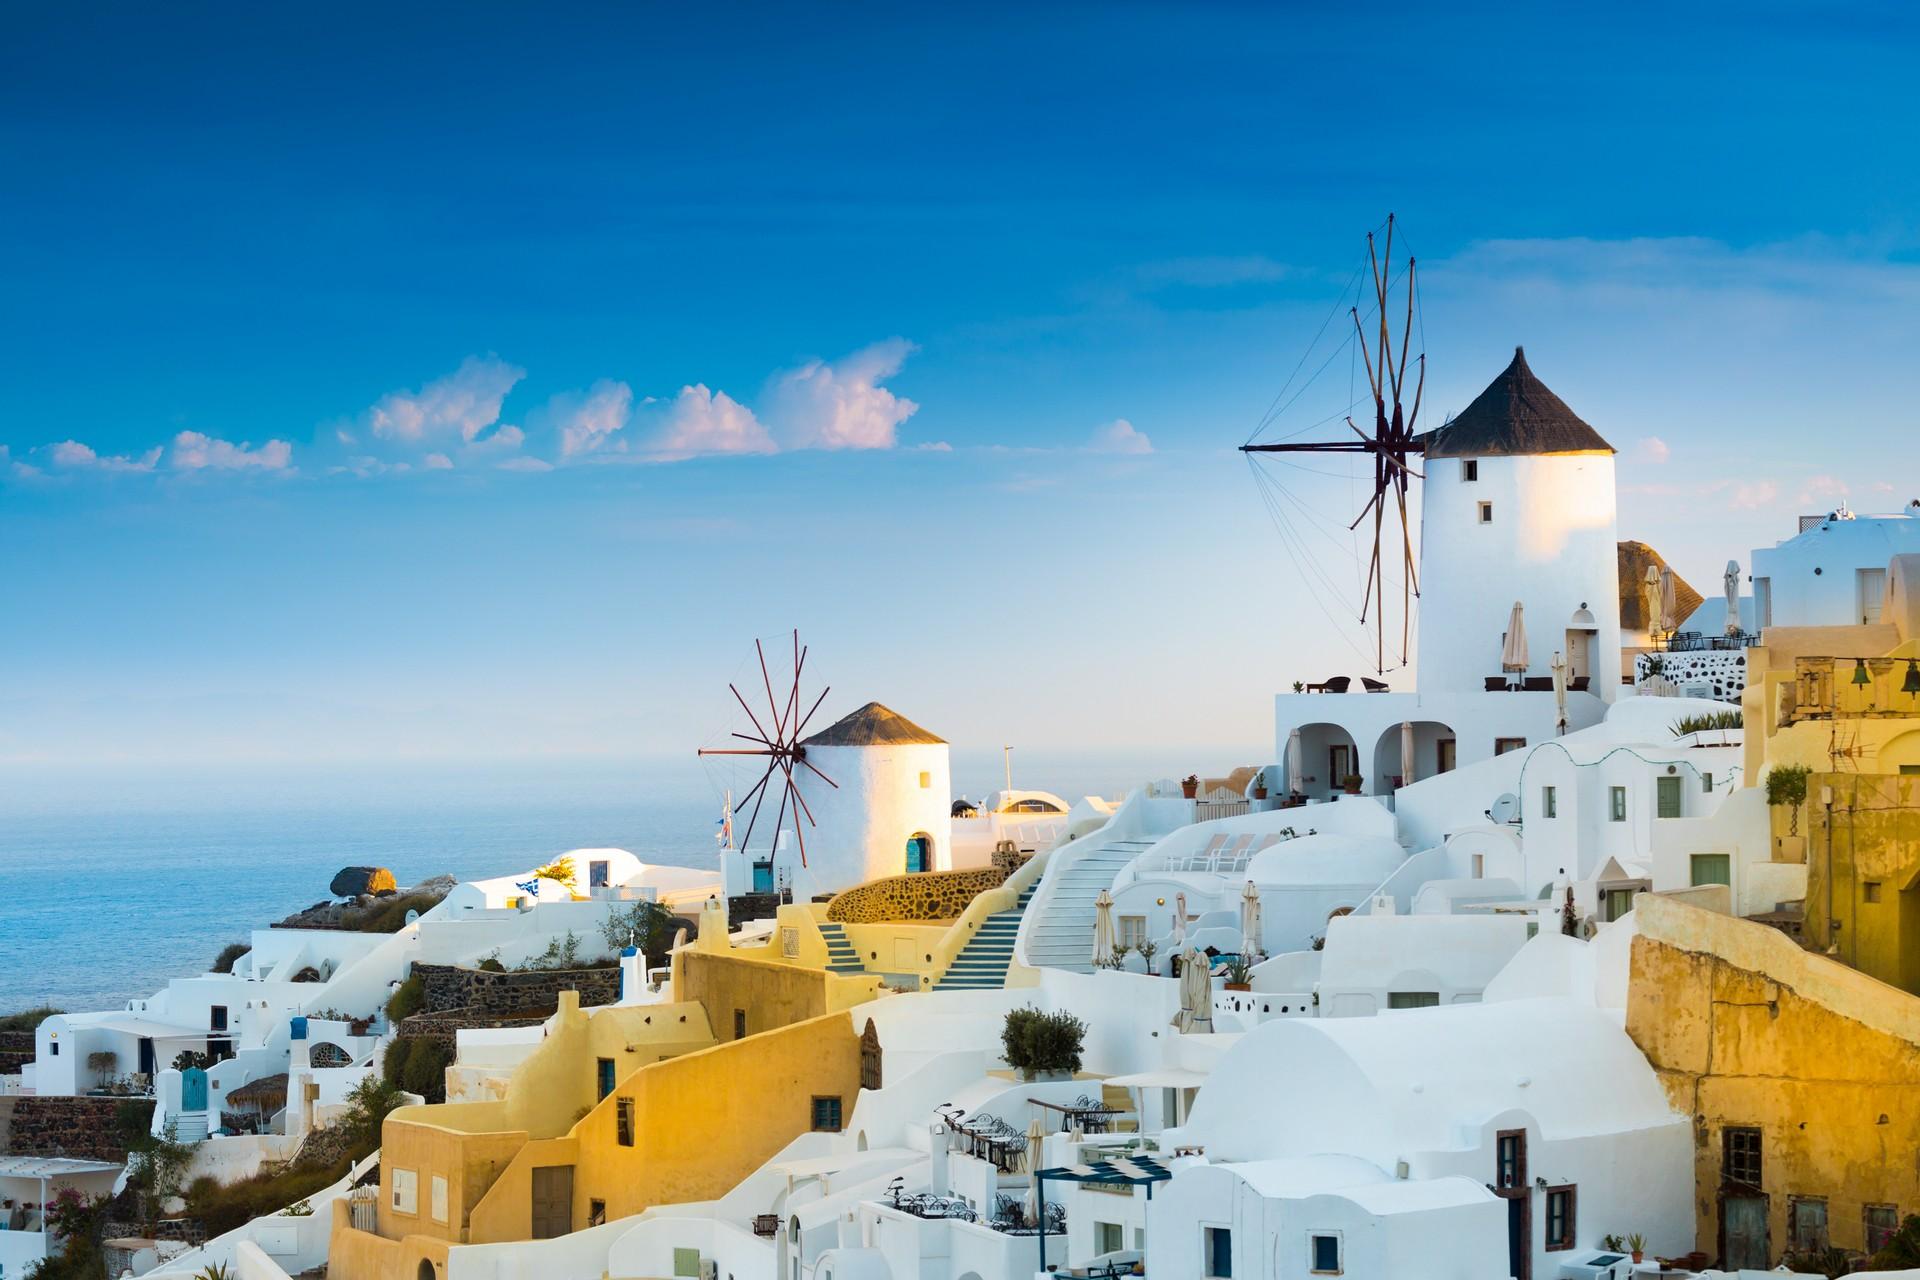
862,823
1785,573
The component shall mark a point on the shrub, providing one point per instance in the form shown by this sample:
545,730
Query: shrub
649,925
192,1059
223,1208
492,964
561,953
426,1069
28,1020
1787,784
368,1105
223,963
407,999
155,1166
560,871
393,1063
1902,1252
1032,1041
389,915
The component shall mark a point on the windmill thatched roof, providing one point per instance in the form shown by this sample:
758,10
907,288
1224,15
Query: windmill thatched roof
1635,557
1516,414
872,726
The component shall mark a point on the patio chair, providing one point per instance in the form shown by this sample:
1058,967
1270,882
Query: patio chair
1498,684
1580,684
1204,858
1337,684
1537,684
1373,686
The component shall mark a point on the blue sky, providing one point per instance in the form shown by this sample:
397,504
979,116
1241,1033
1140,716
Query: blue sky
479,381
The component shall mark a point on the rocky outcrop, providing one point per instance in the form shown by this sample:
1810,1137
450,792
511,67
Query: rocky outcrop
328,914
352,882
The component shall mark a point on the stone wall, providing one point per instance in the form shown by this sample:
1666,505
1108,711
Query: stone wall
16,1051
921,895
61,1126
484,994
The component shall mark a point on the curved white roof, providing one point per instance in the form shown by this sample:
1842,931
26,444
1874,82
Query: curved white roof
1297,1176
1327,858
1424,1080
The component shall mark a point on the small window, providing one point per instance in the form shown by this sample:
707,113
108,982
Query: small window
1870,891
1323,1253
1108,1237
406,1191
439,1193
1666,795
603,1076
826,1115
1560,1227
1133,931
1909,770
1469,470
1617,804
739,1024
1218,1243
1619,902
1712,868
1479,866
596,1213
1740,1163
1412,999
1706,781
1503,745
1807,1222
686,1262
1881,1221
598,876
217,1019
623,1122
53,1049
1549,802
1486,513
926,780
1510,1153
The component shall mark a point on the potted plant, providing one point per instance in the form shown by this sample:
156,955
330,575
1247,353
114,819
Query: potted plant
1299,686
1120,950
1146,951
1260,787
1637,1246
1351,784
1042,1046
1190,786
1239,974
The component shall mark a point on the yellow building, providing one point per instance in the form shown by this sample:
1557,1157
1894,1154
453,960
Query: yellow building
1802,1077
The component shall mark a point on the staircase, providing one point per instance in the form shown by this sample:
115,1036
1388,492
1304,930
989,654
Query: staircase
982,963
1062,936
190,1127
841,957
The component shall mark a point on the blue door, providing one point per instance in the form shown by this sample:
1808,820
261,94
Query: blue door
606,1076
193,1090
917,853
763,877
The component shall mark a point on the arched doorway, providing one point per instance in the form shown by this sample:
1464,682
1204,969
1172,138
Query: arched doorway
425,1271
919,852
1433,753
1328,757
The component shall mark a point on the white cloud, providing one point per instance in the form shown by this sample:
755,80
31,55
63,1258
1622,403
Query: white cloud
587,421
1822,490
935,446
1120,436
1213,272
464,403
699,422
842,405
524,464
1651,449
437,462
74,456
1754,493
193,451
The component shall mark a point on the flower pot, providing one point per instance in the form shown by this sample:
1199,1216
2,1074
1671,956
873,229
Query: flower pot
1259,793
1239,986
1638,1256
1189,789
1038,1077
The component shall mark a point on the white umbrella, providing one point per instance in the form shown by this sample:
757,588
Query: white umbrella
1196,993
1296,774
1731,582
1513,654
1103,931
1250,922
1179,937
1406,752
1560,690
1669,605
1650,595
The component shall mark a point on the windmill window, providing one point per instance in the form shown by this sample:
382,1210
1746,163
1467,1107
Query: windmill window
1469,469
1486,513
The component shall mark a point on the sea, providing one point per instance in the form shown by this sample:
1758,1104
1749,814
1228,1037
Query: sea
115,879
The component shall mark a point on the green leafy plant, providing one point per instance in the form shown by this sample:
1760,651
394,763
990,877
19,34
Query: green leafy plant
192,1060
1147,950
29,1019
155,1166
1830,1262
1787,785
1238,971
223,963
1613,1243
1728,719
1636,1243
367,1106
298,1209
1034,1042
102,1063
1902,1251
560,871
561,953
217,1270
649,926
407,999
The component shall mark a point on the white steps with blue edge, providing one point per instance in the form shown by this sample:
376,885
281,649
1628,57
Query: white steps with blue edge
1062,936
982,964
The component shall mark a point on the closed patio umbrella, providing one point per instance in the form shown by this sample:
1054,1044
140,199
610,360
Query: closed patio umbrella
1730,582
1103,931
1296,774
1669,608
1513,653
1196,995
1560,691
1406,752
1650,597
1250,922
1178,939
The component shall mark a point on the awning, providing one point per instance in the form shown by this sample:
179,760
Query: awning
1119,1171
51,1166
1164,1078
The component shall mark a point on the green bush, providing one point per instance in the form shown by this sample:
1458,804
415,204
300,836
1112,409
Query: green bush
418,1065
389,915
393,1063
28,1020
223,963
1787,784
407,999
1729,719
1034,1042
222,1208
368,1105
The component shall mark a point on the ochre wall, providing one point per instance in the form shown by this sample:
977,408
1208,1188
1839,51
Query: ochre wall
771,993
469,1161
361,1255
1869,836
1746,1029
702,1122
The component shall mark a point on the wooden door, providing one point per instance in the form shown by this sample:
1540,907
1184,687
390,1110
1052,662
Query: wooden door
552,1201
1743,1232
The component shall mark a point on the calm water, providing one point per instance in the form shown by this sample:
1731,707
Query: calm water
114,881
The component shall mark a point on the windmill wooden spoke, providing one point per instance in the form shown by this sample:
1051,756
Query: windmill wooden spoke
768,681
783,750
802,728
764,736
1391,442
823,777
748,737
800,800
